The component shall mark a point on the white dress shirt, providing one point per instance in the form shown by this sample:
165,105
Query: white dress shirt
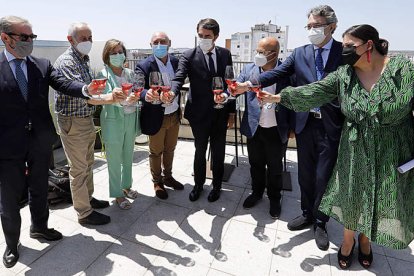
268,114
168,69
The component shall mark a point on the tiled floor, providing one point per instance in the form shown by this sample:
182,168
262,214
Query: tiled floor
179,237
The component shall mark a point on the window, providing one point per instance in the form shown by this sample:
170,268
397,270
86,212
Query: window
246,36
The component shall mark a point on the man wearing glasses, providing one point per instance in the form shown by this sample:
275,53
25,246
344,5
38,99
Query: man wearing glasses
317,131
266,127
27,132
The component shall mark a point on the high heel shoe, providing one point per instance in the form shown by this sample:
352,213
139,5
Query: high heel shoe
345,261
364,259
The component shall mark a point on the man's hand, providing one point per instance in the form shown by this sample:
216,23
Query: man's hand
152,96
167,97
221,98
240,88
132,99
96,88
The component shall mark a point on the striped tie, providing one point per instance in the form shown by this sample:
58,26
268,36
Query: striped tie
319,64
21,79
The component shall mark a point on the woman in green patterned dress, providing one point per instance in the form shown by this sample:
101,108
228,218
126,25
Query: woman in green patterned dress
366,193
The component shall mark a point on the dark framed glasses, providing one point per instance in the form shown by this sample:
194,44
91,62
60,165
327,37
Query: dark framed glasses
23,37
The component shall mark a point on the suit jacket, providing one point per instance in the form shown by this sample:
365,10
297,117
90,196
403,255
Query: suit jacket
301,65
152,115
284,117
200,101
15,112
112,115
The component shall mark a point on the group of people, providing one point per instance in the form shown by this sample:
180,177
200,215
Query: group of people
361,110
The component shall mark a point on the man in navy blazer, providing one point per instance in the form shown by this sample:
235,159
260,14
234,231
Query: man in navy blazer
201,64
27,132
317,131
266,128
160,122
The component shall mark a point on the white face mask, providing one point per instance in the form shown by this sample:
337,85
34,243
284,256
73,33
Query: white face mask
317,35
205,44
84,47
260,60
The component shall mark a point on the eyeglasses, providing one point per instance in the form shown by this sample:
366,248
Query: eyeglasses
353,46
308,27
266,53
24,37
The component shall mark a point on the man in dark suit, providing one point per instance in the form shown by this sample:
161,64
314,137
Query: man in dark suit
266,128
317,131
160,122
201,64
27,132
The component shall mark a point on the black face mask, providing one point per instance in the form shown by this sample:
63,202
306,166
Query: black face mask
349,55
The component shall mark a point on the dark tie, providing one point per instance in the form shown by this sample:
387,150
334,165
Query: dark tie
319,64
20,78
211,67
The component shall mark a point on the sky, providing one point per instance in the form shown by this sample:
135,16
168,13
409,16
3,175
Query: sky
134,21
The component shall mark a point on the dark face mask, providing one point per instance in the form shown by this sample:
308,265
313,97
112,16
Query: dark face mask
349,55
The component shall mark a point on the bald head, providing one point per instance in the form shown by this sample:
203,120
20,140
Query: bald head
269,44
160,38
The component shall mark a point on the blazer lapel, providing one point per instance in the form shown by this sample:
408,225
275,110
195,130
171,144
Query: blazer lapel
8,79
154,65
334,58
200,59
310,60
219,61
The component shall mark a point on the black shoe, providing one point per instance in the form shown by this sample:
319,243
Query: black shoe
251,201
299,223
10,258
99,204
160,191
195,193
364,260
171,182
49,234
321,236
345,262
95,218
275,209
214,195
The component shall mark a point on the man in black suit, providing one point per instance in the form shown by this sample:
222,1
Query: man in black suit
201,64
318,131
27,132
161,122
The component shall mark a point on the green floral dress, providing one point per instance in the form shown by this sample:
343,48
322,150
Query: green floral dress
366,193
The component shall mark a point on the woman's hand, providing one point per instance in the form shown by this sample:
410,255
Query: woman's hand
267,97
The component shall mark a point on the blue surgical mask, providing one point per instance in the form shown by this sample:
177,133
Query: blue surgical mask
117,60
160,50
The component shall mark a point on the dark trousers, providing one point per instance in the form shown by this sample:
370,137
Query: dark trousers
215,130
13,183
265,157
317,155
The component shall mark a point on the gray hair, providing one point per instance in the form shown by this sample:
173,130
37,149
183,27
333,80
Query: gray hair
324,11
7,22
74,27
159,33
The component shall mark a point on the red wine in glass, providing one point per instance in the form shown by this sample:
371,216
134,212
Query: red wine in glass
100,85
231,83
125,87
137,91
218,88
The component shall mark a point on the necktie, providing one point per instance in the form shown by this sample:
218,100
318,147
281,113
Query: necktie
21,79
319,72
211,67
319,64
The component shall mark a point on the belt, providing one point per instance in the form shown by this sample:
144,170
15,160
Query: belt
316,115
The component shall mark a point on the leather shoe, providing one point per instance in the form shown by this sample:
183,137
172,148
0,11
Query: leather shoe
99,204
171,182
275,209
321,236
49,234
95,218
10,258
160,191
214,195
195,193
251,201
299,223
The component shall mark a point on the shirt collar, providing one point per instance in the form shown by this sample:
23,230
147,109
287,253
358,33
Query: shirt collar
160,61
78,55
212,51
327,46
10,57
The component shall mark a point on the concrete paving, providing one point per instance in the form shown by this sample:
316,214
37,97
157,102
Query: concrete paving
179,237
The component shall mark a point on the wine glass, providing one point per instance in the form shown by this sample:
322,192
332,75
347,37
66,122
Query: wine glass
218,88
138,84
126,86
255,85
166,87
100,85
155,83
230,80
